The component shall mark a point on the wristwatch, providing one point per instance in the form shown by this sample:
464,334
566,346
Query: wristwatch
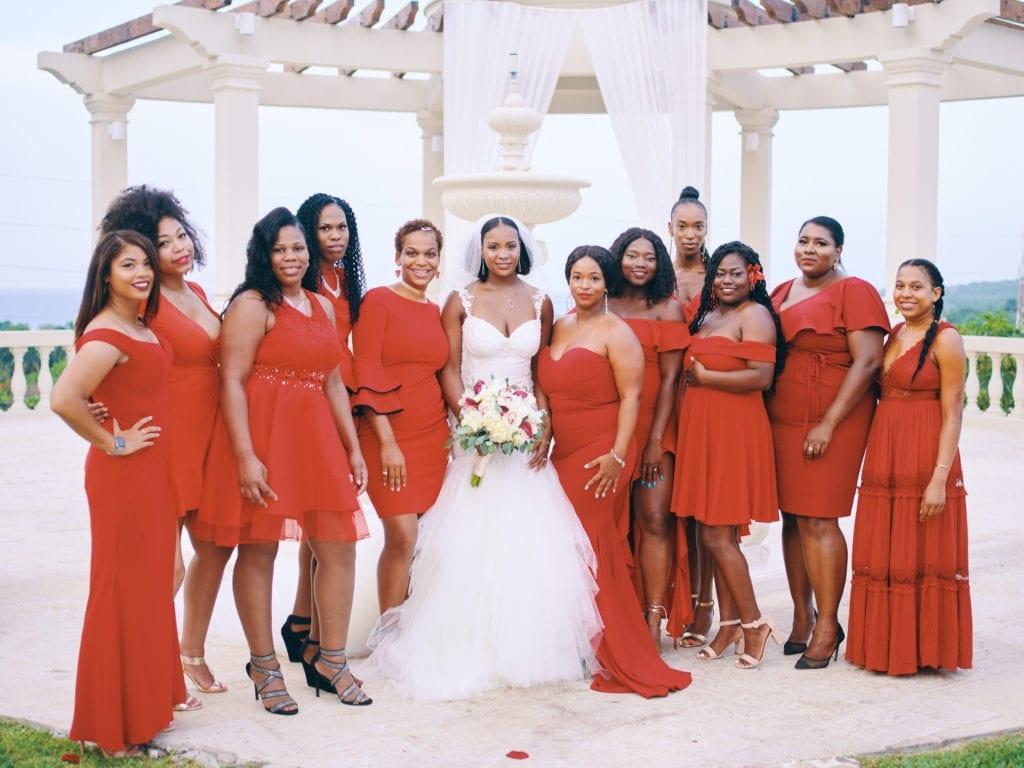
118,445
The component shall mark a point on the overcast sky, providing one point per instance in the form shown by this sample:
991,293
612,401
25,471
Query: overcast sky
825,162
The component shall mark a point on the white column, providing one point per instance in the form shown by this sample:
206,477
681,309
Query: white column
972,386
19,384
756,180
913,81
1018,388
108,117
431,124
235,83
705,193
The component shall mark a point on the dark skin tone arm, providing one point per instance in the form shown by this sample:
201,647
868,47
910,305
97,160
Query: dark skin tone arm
756,324
948,352
452,317
670,364
540,452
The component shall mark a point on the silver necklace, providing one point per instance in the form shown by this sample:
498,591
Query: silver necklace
334,293
508,300
300,306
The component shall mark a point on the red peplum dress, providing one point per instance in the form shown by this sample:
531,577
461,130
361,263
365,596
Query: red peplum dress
910,605
817,360
195,395
400,346
295,436
584,403
728,477
342,321
129,676
657,336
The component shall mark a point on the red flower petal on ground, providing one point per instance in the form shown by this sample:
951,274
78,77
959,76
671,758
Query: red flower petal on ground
71,757
516,754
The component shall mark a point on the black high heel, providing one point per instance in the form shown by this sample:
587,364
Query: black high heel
285,707
293,638
313,677
806,662
353,695
793,647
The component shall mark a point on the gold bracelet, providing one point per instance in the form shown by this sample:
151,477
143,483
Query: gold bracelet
942,466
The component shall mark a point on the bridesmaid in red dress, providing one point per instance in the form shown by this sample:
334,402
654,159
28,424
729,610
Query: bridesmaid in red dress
191,328
821,411
728,478
643,297
910,606
400,349
285,462
593,374
129,679
336,273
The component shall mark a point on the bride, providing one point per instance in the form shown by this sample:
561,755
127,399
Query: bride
502,585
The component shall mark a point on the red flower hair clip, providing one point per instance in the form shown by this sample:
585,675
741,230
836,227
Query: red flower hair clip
755,275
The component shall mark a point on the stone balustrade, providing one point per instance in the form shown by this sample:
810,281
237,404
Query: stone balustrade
18,343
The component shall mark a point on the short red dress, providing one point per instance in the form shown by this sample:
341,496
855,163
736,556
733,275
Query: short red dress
342,321
195,396
584,404
294,435
129,675
400,347
910,605
657,336
817,361
728,476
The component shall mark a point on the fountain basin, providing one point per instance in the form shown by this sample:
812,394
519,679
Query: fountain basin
533,198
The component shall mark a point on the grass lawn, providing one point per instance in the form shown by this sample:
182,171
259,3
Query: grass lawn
1002,752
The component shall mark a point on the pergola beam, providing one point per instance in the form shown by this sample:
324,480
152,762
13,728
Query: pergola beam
992,47
133,30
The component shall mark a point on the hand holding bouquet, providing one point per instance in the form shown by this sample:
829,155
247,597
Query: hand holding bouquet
497,416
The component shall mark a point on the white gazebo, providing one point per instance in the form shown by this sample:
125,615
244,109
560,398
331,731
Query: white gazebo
307,53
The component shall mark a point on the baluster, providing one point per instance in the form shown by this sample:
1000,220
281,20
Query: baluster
45,378
1018,389
19,385
973,384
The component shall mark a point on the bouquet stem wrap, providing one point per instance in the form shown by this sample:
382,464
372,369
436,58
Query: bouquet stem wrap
479,469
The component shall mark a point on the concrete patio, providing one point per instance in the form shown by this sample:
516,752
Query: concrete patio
773,716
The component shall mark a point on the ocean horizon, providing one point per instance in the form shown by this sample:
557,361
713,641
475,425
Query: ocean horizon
38,308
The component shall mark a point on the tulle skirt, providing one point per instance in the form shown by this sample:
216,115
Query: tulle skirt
502,589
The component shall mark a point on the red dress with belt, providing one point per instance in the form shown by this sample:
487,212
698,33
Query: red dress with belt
817,361
584,403
129,676
910,605
342,321
400,347
195,395
295,436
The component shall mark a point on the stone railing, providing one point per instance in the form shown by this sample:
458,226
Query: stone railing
995,348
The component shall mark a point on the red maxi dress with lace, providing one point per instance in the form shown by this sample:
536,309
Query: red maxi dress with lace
910,605
584,404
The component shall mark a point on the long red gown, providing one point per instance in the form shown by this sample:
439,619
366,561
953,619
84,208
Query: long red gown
728,476
195,395
400,347
342,321
817,361
656,337
129,676
295,436
584,403
910,605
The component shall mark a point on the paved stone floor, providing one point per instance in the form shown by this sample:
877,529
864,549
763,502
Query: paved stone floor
772,716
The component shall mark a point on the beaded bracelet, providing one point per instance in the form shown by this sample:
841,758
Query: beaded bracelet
618,459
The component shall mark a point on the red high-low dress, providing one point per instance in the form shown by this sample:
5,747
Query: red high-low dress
910,605
817,360
295,436
657,336
129,675
400,347
728,475
584,404
342,321
195,395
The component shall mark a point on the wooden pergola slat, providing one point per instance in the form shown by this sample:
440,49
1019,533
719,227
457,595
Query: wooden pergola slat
801,70
402,21
132,30
851,66
300,10
848,8
781,11
752,15
1012,10
814,9
335,13
262,8
722,16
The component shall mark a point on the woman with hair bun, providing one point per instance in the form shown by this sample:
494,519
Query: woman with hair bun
910,602
821,411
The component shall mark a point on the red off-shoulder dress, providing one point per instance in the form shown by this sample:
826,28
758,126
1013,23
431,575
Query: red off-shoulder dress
342,321
910,605
584,403
129,676
400,346
817,360
728,475
657,336
295,436
195,395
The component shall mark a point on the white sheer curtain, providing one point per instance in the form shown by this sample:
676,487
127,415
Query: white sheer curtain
651,65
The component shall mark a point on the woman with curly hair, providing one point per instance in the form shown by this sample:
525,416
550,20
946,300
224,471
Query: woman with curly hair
642,295
187,323
728,477
336,273
285,461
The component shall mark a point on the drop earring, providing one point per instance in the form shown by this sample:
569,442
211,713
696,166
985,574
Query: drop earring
398,273
606,301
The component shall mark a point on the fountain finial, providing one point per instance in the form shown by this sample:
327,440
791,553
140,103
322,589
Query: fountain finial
514,121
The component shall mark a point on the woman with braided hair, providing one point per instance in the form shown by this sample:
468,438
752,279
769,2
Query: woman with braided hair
727,476
910,603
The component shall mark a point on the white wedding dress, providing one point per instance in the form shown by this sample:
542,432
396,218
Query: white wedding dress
502,584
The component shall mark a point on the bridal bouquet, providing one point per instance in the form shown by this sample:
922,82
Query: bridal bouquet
497,417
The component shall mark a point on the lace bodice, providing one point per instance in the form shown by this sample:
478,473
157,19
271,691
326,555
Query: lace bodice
487,352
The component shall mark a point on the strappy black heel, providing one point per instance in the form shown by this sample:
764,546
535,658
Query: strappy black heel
353,695
286,707
293,637
806,662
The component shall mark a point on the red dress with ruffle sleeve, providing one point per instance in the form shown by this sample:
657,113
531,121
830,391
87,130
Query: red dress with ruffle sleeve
342,321
910,604
295,436
584,403
400,347
817,360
